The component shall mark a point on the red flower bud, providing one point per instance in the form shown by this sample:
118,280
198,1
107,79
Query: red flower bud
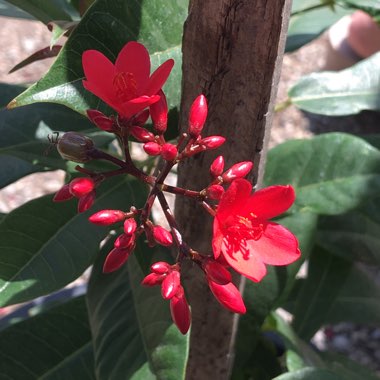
159,113
100,120
160,267
130,226
170,285
215,192
124,241
116,258
169,152
63,194
197,116
212,142
180,311
217,167
81,186
141,118
152,148
162,236
107,217
141,134
239,170
228,296
153,279
217,272
86,201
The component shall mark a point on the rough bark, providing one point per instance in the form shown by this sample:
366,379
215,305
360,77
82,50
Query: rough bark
232,53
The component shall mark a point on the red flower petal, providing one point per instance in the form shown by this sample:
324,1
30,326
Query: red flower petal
159,77
234,199
217,239
136,105
277,246
99,72
271,201
250,265
134,58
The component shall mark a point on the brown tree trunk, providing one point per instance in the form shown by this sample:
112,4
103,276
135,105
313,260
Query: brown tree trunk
232,53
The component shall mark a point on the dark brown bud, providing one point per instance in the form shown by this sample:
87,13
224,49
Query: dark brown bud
74,146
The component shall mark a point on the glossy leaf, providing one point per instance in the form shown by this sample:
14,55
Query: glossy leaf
13,168
106,27
346,368
134,337
53,345
46,52
46,11
327,176
306,25
346,92
310,373
354,235
335,291
299,354
45,245
263,297
25,133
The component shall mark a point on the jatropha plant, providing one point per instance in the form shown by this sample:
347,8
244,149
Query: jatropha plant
243,237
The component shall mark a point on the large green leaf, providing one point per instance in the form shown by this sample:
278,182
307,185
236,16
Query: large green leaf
261,298
345,92
310,373
46,11
13,168
45,245
24,133
336,290
134,337
53,345
354,235
306,25
106,27
327,176
299,354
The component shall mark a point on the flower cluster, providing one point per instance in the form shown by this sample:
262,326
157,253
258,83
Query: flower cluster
244,239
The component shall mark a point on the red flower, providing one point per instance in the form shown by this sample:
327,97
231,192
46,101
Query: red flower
243,234
127,85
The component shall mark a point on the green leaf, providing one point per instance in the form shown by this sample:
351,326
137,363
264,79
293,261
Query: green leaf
346,92
336,290
328,178
299,354
310,374
13,168
53,345
46,11
134,337
347,368
106,27
263,297
354,235
46,245
24,134
307,25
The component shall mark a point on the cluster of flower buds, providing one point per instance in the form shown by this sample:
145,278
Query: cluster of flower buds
169,277
244,238
82,188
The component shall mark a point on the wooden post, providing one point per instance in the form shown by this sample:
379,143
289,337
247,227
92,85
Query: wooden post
232,53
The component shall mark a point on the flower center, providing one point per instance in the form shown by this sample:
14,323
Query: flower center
125,86
239,230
